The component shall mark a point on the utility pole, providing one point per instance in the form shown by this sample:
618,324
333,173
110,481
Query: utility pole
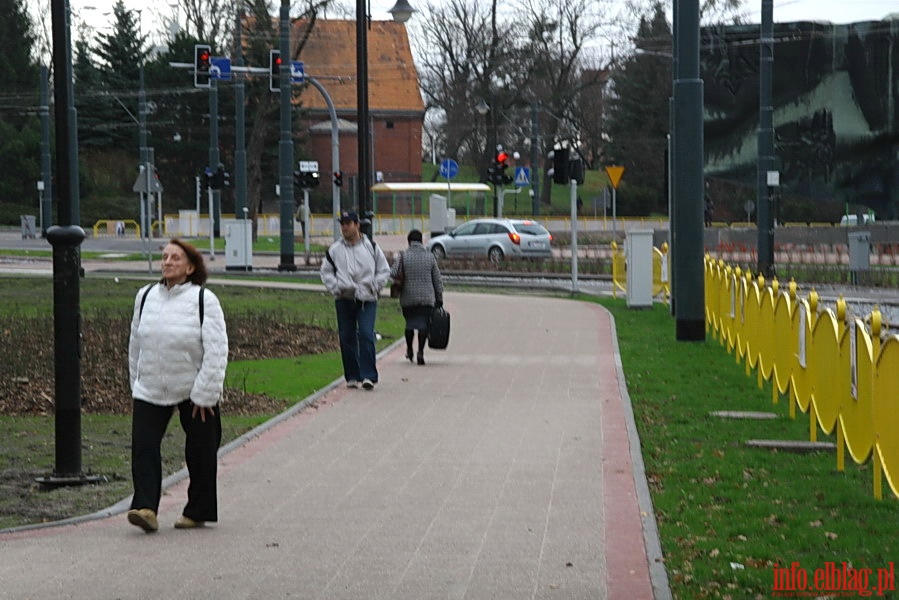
214,157
536,152
285,147
766,143
687,163
240,151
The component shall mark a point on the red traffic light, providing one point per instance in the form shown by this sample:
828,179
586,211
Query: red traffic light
274,70
502,158
202,63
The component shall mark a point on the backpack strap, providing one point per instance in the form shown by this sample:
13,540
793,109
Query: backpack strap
143,299
331,260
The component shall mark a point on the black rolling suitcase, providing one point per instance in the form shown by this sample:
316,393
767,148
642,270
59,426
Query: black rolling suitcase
438,335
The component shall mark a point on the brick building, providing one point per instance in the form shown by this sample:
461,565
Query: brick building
395,104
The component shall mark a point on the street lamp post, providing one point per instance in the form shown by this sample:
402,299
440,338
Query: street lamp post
401,13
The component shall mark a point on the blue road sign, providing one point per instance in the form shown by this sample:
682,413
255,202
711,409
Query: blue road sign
522,176
297,71
220,68
449,168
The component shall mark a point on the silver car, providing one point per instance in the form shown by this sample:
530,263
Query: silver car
495,239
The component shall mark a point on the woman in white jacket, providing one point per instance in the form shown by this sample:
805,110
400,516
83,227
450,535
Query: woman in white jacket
177,356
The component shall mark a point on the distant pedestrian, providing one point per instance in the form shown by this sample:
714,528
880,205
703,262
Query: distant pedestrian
177,356
422,291
354,272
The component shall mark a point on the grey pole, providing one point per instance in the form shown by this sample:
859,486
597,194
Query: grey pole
363,136
335,154
688,173
285,147
46,166
765,142
535,154
240,151
142,119
214,158
672,206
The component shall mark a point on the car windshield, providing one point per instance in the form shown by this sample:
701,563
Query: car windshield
531,228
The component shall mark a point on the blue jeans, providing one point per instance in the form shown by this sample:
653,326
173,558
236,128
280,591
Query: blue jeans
356,328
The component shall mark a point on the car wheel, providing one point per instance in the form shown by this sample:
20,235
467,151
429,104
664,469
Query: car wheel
438,252
495,254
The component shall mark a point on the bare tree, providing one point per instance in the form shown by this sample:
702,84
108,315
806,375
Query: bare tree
463,49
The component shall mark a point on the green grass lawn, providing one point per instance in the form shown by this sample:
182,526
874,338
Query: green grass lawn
728,513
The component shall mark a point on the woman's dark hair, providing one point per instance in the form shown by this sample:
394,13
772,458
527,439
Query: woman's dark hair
200,275
414,236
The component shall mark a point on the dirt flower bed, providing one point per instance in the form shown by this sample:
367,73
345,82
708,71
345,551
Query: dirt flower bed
27,376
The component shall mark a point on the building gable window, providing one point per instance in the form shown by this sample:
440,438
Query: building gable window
389,124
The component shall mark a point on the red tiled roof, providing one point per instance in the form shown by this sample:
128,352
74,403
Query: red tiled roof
330,57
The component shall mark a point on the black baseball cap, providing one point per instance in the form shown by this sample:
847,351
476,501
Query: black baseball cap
348,215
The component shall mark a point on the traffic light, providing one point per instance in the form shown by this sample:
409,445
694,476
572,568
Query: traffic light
338,178
202,62
306,179
497,172
206,178
502,163
223,177
560,166
274,70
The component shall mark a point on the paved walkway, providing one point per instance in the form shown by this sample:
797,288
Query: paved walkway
506,468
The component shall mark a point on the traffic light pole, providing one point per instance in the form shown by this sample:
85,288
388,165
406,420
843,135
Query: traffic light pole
306,225
285,147
573,187
210,194
214,159
240,151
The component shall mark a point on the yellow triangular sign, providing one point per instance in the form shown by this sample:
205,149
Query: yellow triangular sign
614,174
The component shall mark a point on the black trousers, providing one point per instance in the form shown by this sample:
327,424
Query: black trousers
202,440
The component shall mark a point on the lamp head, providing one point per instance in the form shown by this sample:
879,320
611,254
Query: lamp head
401,11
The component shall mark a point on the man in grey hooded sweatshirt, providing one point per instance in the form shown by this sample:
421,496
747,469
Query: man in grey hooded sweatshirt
354,272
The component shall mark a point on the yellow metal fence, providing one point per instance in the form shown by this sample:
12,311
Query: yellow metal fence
661,271
839,369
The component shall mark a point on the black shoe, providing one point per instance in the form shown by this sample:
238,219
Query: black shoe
421,359
409,354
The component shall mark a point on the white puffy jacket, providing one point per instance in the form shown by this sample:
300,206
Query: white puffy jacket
172,358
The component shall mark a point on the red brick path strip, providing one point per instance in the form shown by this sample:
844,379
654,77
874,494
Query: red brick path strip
630,572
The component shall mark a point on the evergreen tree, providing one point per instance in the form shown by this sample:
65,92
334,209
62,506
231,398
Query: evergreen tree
638,118
120,55
19,125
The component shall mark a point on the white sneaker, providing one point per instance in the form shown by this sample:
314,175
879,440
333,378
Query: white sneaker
367,384
352,384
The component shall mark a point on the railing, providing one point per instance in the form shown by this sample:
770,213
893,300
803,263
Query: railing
189,223
838,368
661,272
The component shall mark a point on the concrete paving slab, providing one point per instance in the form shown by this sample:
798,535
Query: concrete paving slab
504,468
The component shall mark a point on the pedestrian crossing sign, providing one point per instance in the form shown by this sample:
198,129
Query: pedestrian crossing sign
522,176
